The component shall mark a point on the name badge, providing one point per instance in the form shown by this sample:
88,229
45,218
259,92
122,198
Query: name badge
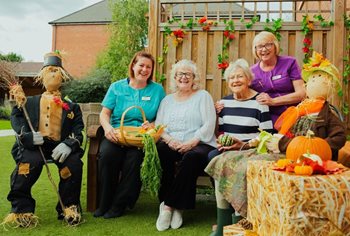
276,77
146,98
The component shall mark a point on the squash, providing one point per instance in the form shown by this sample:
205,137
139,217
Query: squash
303,170
308,144
282,163
225,140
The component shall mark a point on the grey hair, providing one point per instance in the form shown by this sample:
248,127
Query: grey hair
184,64
239,64
265,36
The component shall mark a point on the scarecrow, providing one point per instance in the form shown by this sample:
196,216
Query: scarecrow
314,113
47,128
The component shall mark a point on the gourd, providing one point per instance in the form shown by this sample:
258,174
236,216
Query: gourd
225,140
303,170
283,162
308,144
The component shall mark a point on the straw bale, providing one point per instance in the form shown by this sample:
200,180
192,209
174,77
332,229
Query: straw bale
280,203
237,230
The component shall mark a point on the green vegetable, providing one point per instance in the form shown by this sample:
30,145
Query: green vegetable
263,138
151,170
225,140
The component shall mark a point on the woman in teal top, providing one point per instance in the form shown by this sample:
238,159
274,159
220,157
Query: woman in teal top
119,166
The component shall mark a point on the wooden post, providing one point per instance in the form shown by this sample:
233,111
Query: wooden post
338,34
153,39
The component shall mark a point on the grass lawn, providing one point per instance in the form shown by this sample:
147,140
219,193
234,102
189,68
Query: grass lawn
139,221
5,124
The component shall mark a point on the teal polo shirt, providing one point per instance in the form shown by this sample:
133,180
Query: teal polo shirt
121,96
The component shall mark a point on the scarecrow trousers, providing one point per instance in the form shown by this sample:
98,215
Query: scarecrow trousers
27,172
180,173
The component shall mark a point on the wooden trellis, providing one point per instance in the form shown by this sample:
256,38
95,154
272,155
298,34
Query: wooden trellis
203,47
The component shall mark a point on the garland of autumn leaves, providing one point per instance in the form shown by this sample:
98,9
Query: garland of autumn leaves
178,36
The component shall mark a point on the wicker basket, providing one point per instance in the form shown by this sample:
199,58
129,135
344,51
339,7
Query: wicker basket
130,135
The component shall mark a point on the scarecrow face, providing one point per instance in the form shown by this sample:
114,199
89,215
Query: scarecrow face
52,78
319,85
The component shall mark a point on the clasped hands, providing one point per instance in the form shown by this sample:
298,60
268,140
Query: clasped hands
182,147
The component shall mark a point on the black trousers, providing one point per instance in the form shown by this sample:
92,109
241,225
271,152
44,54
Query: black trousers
180,173
119,175
22,180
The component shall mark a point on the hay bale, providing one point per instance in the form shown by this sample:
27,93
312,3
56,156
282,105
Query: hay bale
237,230
280,203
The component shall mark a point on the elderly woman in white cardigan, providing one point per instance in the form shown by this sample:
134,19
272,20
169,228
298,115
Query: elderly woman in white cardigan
189,116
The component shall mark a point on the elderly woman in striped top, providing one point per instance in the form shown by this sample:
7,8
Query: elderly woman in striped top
241,117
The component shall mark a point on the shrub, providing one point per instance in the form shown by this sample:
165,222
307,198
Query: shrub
90,89
128,35
5,112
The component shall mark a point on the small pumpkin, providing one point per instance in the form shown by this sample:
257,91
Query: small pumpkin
282,163
303,170
225,140
308,144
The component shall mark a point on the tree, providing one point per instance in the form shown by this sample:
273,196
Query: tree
128,35
12,57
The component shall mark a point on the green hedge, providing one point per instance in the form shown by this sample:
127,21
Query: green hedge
90,89
5,112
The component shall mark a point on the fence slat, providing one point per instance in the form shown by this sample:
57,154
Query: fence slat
216,86
202,57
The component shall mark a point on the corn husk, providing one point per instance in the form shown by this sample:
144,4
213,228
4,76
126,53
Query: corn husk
23,220
72,215
280,203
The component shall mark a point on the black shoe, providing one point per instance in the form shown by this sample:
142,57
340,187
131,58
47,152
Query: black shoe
99,212
60,216
114,213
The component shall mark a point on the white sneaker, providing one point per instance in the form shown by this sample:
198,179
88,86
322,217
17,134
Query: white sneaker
176,220
164,218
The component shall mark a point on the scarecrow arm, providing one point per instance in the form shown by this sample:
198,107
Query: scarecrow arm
20,126
75,138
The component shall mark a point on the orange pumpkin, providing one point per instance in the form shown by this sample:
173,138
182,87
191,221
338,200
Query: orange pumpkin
303,170
308,144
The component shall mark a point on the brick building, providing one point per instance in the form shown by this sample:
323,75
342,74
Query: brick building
81,36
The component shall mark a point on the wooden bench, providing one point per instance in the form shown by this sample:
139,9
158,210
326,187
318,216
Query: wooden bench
95,134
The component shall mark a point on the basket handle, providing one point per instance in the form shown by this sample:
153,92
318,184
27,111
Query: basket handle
122,120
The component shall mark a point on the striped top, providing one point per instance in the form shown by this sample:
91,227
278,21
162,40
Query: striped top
243,119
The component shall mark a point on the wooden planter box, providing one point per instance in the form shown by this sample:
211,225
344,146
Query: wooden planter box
286,204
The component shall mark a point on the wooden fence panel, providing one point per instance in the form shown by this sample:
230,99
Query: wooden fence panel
203,47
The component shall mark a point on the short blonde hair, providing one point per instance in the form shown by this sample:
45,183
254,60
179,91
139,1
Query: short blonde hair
184,64
265,36
239,64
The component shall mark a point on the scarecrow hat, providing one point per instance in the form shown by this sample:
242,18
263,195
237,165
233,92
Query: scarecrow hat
52,59
319,63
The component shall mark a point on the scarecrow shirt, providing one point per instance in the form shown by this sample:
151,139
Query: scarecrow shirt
50,117
277,82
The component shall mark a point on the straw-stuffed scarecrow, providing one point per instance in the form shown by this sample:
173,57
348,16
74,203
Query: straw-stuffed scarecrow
315,112
47,127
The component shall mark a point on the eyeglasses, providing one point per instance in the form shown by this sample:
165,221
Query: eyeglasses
267,46
181,74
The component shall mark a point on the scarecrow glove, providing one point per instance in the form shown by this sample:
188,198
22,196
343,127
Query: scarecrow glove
272,144
61,152
38,139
